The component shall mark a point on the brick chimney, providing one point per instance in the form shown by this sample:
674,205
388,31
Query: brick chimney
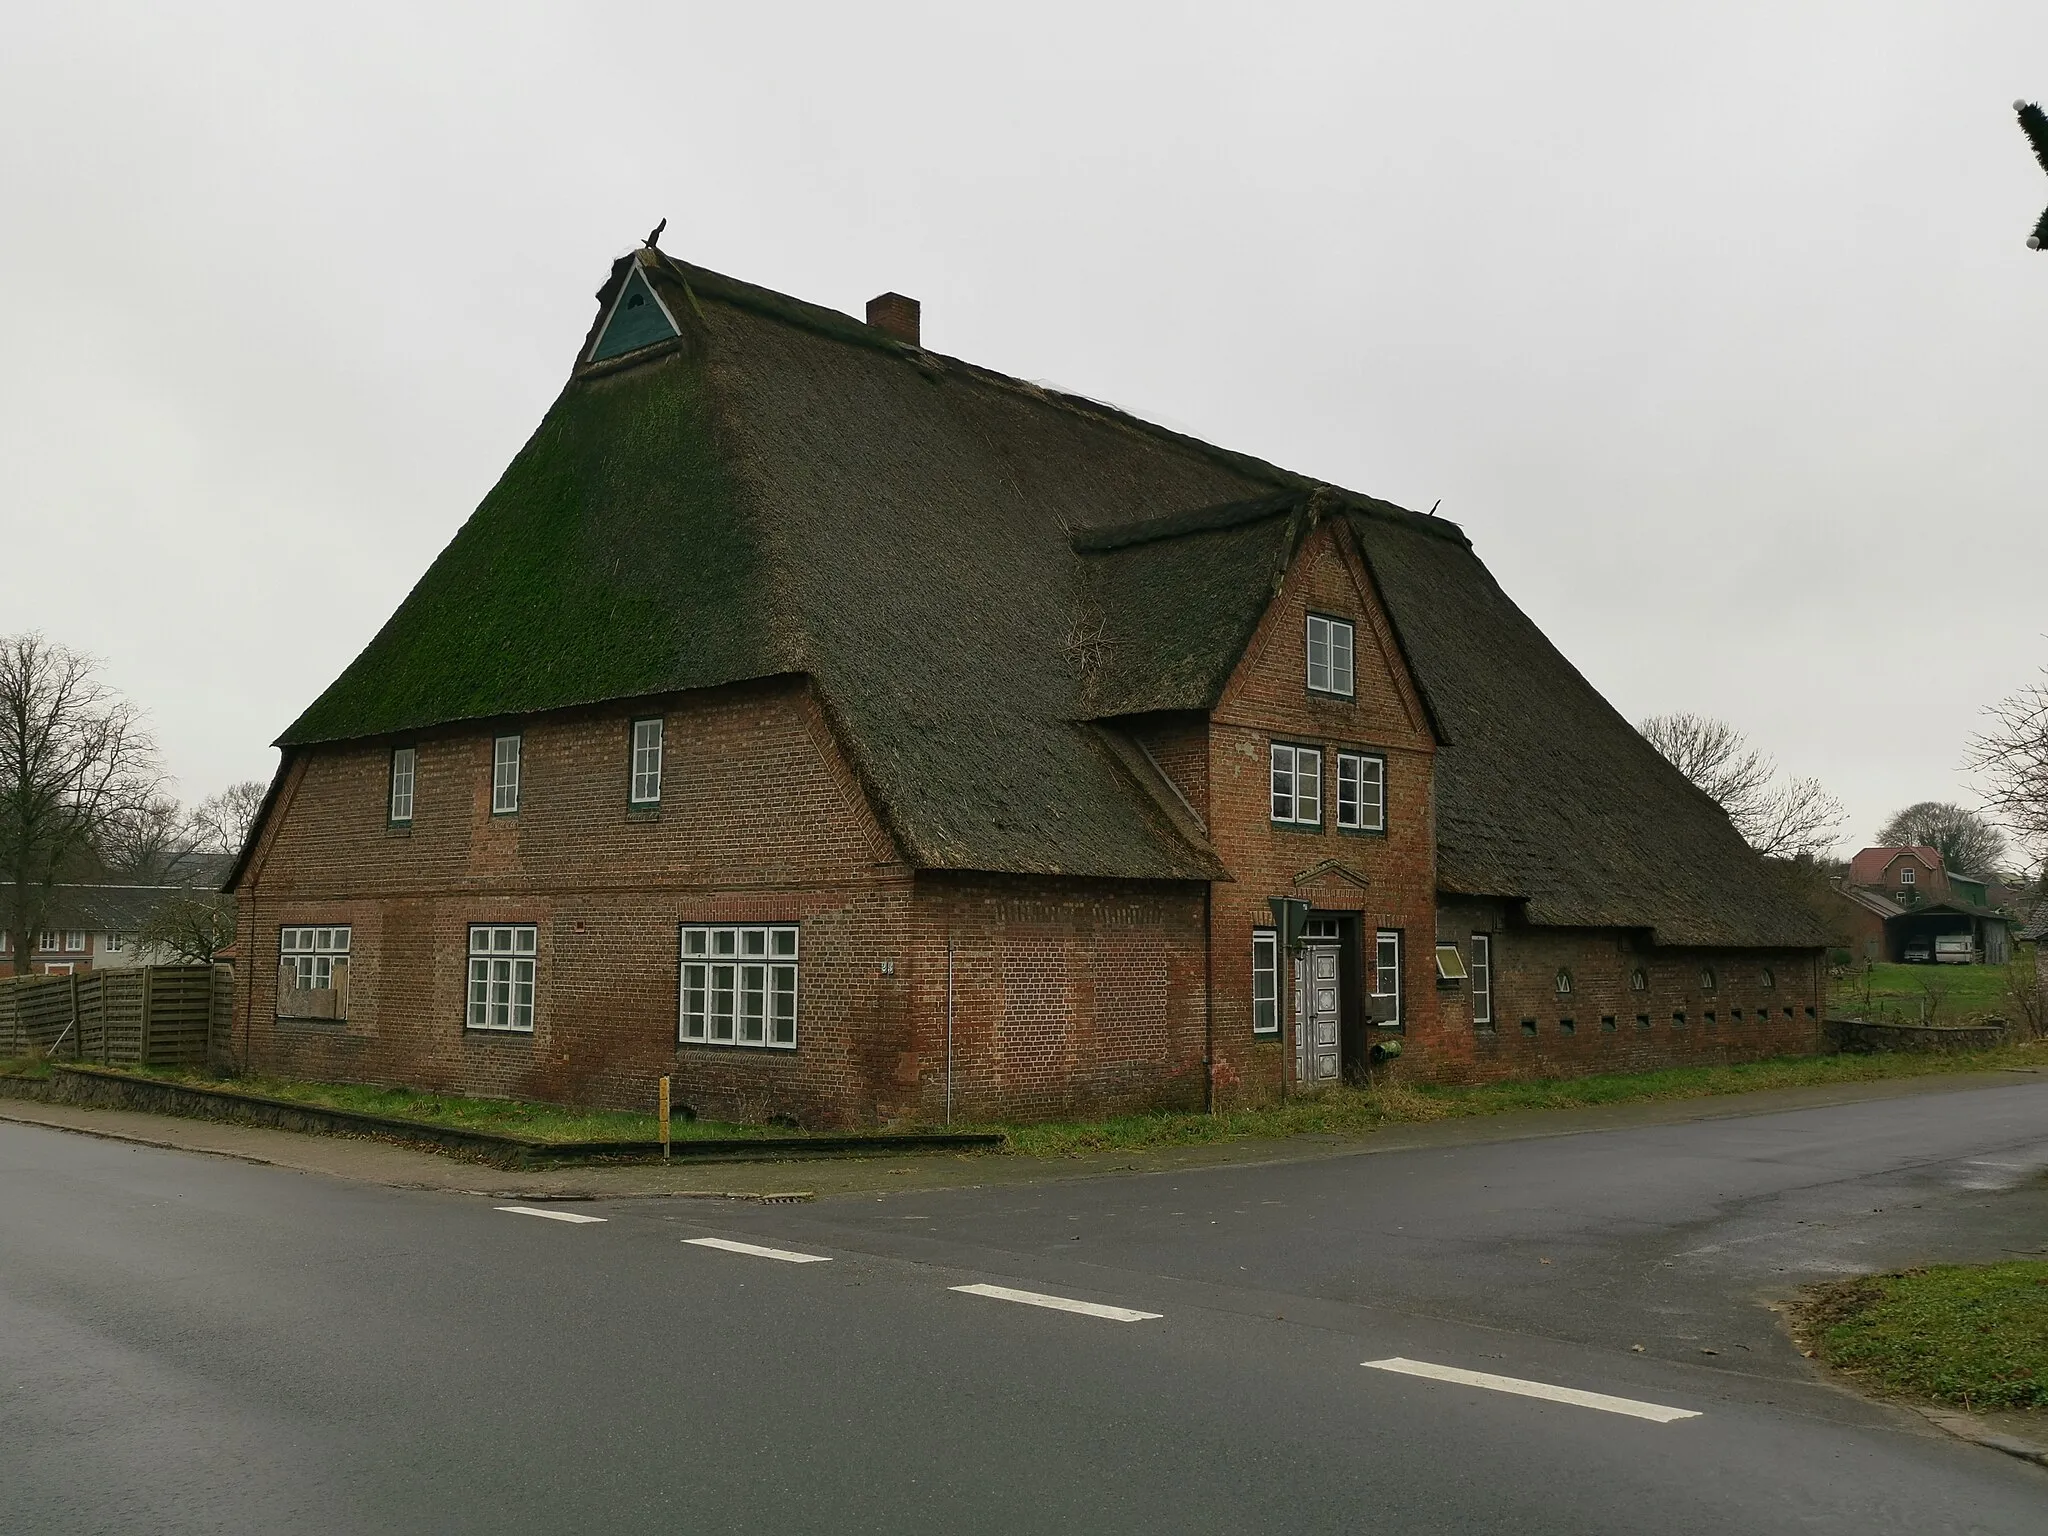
898,316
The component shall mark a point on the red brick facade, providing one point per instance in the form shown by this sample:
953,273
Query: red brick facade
923,993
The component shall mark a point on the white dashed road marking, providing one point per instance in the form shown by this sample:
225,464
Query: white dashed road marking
534,1210
1653,1411
1058,1303
729,1246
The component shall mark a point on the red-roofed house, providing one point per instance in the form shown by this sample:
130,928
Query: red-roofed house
1914,874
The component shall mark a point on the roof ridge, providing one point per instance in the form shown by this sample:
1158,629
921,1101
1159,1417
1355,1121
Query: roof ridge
837,325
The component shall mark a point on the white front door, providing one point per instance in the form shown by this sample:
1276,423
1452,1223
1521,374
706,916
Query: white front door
1317,1053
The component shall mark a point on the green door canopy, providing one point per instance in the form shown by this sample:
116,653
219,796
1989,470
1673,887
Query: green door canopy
636,321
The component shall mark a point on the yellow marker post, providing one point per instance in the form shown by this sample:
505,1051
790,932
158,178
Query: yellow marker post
664,1119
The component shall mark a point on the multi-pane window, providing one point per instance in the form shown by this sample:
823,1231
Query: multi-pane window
404,761
1563,982
646,762
1482,978
116,942
504,775
1386,970
1361,792
501,976
1329,655
1907,874
70,941
1265,982
310,955
312,972
739,985
1298,784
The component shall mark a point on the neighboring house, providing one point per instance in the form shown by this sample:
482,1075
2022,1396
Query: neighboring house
853,733
1906,875
1934,911
91,928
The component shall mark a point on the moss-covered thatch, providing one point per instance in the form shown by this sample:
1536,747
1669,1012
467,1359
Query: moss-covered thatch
973,569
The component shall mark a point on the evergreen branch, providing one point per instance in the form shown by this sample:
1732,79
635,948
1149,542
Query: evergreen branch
2035,124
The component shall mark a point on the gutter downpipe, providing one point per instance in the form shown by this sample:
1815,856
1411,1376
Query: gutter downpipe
1208,997
949,1024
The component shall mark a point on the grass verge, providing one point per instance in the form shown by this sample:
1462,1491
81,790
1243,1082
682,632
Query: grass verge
23,1066
1973,1336
1353,1111
508,1117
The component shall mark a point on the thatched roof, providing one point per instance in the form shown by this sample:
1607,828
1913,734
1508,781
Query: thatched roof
973,569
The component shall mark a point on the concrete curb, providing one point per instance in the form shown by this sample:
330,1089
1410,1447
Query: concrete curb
89,1087
1977,1432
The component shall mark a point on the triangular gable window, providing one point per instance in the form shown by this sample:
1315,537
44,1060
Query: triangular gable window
638,319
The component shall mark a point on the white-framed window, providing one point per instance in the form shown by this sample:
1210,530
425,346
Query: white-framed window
501,957
1638,980
1482,978
114,945
1298,785
309,955
1329,655
505,775
1708,981
1265,982
67,941
404,764
738,985
646,789
1908,874
1361,792
312,972
1386,969
1564,982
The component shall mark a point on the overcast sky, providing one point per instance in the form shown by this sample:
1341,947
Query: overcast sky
1713,325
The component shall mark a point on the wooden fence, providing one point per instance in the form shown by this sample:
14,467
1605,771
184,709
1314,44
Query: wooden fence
152,1016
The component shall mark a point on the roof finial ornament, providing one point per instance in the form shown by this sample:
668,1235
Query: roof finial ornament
654,235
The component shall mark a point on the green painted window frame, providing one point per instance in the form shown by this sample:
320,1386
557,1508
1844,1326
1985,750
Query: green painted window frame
1479,967
411,779
1266,1004
1294,750
518,776
1334,623
1359,826
634,772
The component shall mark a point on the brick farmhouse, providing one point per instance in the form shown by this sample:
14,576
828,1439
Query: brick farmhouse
860,736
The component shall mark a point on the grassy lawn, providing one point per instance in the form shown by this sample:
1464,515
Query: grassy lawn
1352,1111
1938,994
1972,1336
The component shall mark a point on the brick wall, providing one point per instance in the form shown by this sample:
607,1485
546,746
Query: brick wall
1069,996
1598,1026
759,821
1384,879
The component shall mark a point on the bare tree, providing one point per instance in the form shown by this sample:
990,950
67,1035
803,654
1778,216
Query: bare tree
1792,819
193,929
2012,755
1968,843
221,823
74,759
142,842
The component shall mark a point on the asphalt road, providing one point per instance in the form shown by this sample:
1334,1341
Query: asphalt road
194,1344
